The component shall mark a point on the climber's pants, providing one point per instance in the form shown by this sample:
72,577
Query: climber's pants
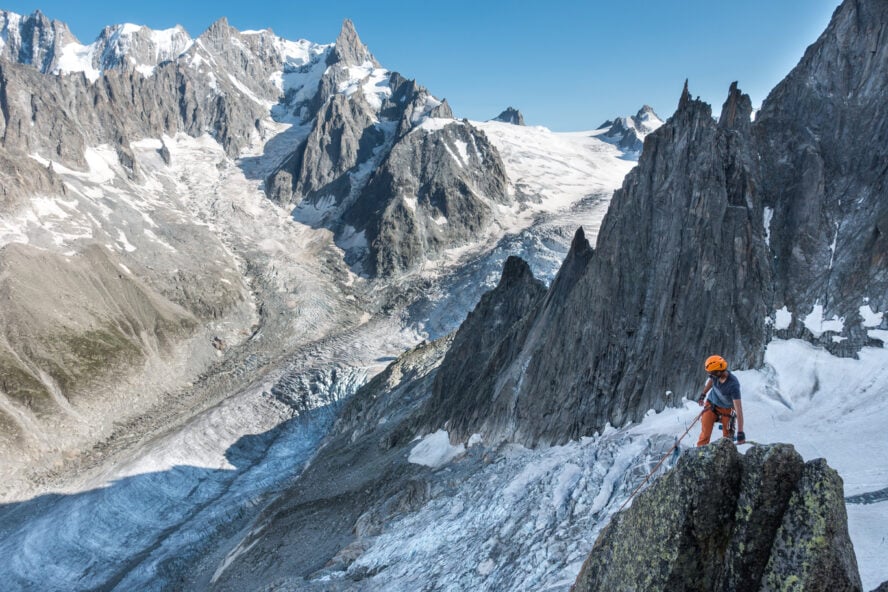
708,420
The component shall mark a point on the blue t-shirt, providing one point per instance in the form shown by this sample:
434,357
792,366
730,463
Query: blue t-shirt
723,394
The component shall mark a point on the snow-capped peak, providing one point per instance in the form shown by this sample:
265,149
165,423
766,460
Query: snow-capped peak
34,39
646,120
137,46
629,132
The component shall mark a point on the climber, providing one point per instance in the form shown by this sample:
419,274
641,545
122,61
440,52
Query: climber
722,402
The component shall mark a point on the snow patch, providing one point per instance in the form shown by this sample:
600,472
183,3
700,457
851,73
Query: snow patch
373,82
410,202
879,334
100,160
352,239
870,317
817,325
768,216
463,150
153,237
229,559
433,124
435,450
46,207
782,318
247,92
78,58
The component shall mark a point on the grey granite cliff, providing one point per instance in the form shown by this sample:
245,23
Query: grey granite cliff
434,190
680,268
406,190
34,39
823,139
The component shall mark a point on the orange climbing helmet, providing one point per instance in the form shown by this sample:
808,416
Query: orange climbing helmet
715,364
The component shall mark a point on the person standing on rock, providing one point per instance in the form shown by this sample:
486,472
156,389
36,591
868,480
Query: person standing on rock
721,397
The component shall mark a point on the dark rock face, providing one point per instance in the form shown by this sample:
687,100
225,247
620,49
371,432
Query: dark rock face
344,136
680,268
413,191
482,347
725,521
823,136
685,265
433,191
349,49
510,115
367,168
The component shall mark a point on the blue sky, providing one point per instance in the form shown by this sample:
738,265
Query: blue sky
565,64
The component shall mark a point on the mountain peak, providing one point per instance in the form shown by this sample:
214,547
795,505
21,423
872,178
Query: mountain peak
737,109
349,50
685,96
646,111
629,132
515,269
510,115
34,39
219,23
348,28
580,243
219,30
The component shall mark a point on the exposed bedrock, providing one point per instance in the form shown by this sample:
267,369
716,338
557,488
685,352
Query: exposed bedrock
721,520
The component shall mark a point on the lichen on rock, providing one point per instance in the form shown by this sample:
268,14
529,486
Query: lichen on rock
725,521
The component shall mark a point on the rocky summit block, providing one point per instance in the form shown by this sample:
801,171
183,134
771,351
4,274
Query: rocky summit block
510,115
463,391
725,521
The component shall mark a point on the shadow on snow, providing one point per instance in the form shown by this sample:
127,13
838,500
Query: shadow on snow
148,527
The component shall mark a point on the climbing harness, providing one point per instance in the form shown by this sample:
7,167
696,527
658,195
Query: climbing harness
671,450
732,420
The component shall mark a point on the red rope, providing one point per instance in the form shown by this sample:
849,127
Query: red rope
674,446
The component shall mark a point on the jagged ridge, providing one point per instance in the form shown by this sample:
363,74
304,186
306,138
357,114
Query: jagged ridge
684,264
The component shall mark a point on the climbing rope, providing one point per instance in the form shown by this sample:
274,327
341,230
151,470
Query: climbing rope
671,450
